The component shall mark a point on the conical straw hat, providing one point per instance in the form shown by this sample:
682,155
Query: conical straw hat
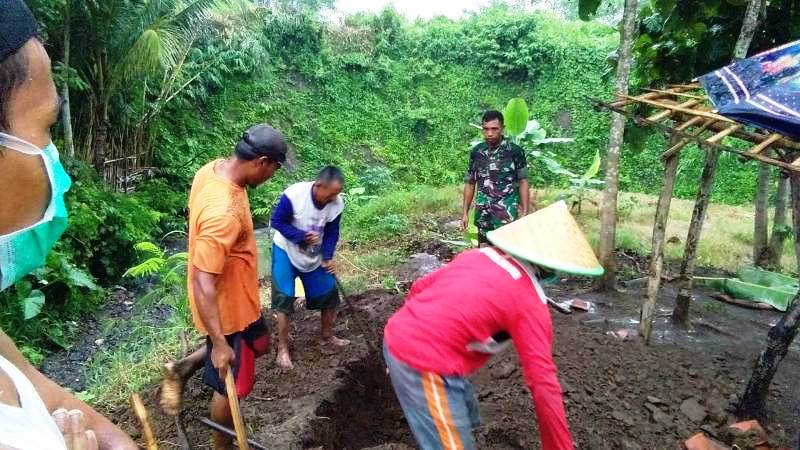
551,238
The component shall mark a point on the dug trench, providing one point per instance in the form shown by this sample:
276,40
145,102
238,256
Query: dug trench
618,393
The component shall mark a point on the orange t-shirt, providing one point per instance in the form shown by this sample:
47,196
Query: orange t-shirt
221,241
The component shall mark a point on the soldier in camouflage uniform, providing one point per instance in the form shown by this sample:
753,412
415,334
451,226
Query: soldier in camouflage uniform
500,171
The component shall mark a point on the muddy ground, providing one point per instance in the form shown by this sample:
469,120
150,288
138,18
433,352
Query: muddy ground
618,393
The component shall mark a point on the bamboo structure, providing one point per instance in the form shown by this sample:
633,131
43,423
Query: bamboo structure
686,115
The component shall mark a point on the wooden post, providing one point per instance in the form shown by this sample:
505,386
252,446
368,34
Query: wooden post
779,338
779,235
657,252
680,315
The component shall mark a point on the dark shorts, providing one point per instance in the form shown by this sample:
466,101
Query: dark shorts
245,344
320,286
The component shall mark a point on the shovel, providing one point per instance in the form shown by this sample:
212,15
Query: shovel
357,316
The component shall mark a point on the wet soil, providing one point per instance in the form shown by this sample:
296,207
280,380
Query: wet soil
619,394
99,333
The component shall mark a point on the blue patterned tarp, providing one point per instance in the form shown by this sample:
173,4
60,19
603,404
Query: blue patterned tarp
763,90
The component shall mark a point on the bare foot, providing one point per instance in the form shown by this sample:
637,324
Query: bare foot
283,360
335,342
171,390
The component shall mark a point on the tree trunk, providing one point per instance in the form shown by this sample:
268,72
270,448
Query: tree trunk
749,26
780,336
761,222
779,234
66,117
680,315
608,209
657,252
101,146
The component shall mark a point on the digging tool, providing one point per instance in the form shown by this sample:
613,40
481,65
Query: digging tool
147,430
223,429
236,412
356,316
184,441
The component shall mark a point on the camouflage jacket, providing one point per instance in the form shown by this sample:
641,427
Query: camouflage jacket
497,173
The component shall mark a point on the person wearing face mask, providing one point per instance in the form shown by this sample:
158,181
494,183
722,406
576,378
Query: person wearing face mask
35,413
306,222
456,318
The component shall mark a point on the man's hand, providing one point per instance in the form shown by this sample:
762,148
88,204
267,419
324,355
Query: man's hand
73,427
222,355
330,266
464,221
522,211
312,238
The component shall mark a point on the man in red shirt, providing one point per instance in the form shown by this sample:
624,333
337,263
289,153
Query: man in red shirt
453,318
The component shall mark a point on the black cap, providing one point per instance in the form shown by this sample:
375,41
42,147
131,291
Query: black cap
262,140
17,26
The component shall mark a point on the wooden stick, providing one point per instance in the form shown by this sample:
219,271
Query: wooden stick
773,138
718,137
679,108
147,430
682,143
664,114
677,94
684,86
236,412
690,123
623,102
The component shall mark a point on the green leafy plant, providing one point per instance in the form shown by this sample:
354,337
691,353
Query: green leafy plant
357,196
166,273
580,184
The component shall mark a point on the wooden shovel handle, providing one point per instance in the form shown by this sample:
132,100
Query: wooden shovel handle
236,413
147,430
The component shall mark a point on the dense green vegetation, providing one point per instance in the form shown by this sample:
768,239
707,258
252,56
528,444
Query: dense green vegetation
388,100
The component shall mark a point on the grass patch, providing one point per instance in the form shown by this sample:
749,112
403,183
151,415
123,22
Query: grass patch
136,363
726,241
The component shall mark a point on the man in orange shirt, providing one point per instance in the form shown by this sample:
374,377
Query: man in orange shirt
222,276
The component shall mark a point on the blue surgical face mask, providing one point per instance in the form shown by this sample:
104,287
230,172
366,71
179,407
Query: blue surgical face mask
25,250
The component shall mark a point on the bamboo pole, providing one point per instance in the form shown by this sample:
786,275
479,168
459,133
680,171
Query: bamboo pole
680,314
720,135
679,108
147,430
677,147
773,138
648,311
676,94
236,412
651,95
664,114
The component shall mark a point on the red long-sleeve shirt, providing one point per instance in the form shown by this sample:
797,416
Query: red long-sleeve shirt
478,294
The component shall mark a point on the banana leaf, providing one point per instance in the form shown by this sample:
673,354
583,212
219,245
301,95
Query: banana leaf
778,297
766,278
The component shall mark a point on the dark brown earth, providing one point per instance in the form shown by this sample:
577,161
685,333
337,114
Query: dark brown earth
619,394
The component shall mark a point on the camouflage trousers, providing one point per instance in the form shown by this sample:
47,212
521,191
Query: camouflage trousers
493,215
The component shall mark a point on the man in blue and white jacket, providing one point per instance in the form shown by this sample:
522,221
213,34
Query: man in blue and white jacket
306,223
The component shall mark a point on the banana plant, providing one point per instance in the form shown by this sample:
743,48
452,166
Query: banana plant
521,130
580,184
